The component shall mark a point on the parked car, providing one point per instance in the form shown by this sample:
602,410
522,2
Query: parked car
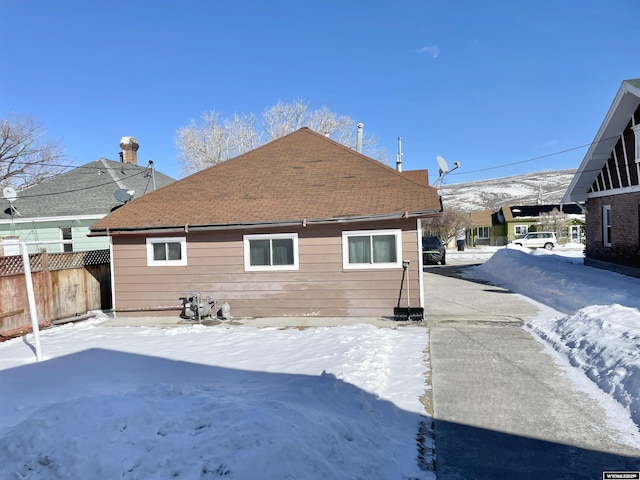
433,250
545,240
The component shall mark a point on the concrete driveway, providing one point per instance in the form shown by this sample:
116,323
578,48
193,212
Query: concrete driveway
502,408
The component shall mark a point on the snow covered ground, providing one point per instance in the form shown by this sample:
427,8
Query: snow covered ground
244,403
208,402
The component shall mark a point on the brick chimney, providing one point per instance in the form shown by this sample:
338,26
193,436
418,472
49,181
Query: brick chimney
129,146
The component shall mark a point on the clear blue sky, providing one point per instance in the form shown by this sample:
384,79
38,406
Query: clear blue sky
484,83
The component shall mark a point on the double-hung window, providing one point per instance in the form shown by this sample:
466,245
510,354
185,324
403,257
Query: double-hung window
271,252
166,251
372,249
606,225
66,234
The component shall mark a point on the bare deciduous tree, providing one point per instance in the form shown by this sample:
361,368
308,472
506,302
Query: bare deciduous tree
448,225
554,221
26,157
284,118
215,140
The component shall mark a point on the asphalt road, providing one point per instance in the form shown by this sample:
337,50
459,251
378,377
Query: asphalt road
502,408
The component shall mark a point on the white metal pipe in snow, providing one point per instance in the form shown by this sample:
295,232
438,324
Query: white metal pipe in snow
32,300
31,297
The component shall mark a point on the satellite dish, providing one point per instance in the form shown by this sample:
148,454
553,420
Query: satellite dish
10,194
123,195
442,163
444,169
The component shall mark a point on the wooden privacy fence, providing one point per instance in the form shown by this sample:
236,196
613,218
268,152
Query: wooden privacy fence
65,285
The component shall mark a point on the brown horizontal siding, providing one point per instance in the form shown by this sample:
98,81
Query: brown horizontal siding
296,282
251,278
216,267
310,291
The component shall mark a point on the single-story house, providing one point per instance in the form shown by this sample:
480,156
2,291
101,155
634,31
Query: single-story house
479,233
608,181
301,226
63,207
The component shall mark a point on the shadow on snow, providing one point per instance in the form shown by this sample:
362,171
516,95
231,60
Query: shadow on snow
197,419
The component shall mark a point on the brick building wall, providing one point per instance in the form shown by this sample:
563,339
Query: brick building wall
625,229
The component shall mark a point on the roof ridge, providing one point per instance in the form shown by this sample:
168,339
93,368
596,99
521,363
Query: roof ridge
342,146
371,160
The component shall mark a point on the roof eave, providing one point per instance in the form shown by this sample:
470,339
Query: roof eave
624,104
175,229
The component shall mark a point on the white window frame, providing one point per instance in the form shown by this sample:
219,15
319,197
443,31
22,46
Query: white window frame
636,131
66,247
167,263
364,233
483,237
606,225
270,268
517,230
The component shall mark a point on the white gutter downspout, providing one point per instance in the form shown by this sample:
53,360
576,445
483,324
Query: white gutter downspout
112,276
30,293
420,264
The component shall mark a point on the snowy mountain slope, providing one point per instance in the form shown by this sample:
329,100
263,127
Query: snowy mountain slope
548,186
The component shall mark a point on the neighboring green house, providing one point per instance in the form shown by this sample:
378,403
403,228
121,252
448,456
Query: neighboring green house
511,222
63,207
518,220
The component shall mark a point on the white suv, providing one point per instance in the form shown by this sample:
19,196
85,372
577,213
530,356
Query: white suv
545,240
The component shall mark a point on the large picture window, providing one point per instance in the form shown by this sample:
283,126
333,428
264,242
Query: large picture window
271,252
372,249
606,225
483,232
168,251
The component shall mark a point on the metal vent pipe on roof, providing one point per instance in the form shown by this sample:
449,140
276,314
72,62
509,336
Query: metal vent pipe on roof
359,142
399,155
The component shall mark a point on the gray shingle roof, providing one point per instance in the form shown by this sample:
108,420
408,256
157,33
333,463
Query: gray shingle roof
85,190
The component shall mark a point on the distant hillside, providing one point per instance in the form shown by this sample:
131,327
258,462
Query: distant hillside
548,186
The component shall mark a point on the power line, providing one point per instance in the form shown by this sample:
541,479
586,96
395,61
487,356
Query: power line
73,167
85,188
535,158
